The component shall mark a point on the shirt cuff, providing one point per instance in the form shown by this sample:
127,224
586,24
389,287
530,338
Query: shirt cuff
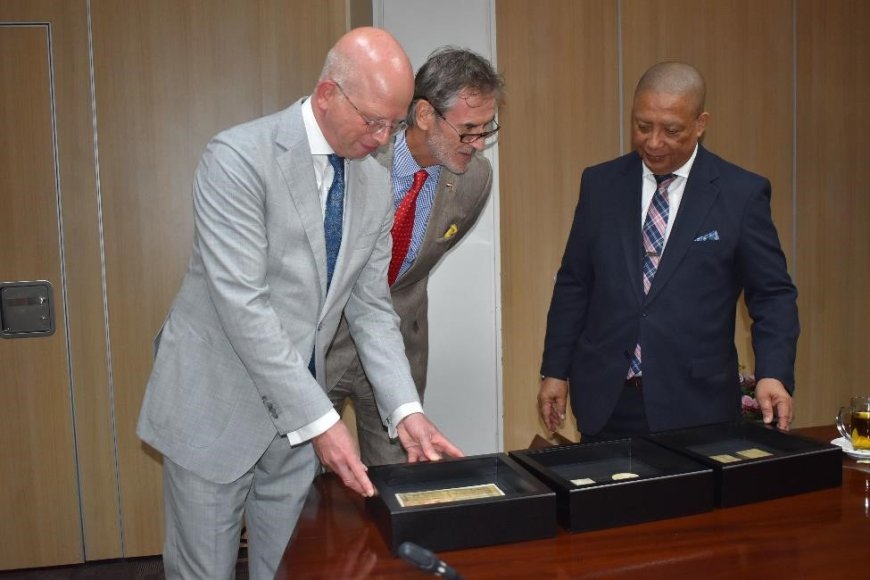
400,413
313,429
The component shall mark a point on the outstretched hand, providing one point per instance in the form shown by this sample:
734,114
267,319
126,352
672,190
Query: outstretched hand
337,450
423,441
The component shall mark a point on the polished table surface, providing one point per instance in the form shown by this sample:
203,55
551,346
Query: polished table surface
822,534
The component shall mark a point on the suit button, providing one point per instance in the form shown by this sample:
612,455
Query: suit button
643,314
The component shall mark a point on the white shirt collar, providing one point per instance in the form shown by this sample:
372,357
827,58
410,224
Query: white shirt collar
680,172
316,141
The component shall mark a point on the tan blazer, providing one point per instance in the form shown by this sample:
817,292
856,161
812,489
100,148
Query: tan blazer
459,201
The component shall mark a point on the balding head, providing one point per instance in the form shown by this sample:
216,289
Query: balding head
668,117
675,78
375,76
368,54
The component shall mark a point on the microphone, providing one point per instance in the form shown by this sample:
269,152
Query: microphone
426,560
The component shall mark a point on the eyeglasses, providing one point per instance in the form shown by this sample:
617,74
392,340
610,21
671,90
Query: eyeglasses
374,125
470,137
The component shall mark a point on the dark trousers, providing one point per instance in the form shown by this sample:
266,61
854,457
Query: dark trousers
628,417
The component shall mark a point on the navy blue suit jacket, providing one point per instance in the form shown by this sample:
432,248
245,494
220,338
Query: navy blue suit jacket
685,325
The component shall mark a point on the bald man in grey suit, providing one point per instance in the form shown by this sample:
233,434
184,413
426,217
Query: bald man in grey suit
451,120
236,401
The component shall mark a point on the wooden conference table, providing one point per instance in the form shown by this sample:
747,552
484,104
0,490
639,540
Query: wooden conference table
822,534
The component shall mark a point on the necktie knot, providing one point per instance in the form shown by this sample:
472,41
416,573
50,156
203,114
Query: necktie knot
419,179
337,164
661,178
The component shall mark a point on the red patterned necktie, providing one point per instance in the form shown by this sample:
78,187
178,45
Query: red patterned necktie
403,225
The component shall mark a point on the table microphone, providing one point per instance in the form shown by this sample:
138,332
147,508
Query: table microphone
426,560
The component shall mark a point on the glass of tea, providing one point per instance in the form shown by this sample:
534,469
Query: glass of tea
853,422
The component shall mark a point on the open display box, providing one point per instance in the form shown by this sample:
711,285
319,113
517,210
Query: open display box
461,503
753,462
620,482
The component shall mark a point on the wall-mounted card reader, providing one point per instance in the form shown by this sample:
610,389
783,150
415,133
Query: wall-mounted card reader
26,309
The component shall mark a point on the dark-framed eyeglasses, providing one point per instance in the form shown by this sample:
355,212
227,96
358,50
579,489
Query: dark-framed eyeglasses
374,125
469,137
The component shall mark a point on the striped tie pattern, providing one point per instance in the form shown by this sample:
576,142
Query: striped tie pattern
654,227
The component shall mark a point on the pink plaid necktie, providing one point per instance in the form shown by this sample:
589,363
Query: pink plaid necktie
654,227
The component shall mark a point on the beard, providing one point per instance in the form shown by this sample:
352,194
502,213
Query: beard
447,153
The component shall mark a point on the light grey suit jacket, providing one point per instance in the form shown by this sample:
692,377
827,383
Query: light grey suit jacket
458,203
231,369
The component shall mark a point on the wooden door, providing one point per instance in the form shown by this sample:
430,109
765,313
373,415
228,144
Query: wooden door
110,227
40,524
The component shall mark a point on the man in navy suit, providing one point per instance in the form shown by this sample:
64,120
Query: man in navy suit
641,322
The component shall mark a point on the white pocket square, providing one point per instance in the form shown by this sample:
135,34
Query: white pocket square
710,236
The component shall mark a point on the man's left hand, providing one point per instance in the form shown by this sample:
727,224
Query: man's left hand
772,396
423,441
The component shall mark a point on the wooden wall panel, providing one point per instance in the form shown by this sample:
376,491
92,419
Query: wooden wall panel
833,204
559,60
169,75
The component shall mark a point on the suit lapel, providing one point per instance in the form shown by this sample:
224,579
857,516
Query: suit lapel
439,215
296,167
700,194
629,198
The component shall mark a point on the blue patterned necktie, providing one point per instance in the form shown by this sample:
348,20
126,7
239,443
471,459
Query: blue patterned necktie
332,220
654,227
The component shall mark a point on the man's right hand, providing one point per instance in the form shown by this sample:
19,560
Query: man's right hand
337,450
552,402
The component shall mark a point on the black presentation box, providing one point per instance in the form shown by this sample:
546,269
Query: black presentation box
620,482
525,511
754,462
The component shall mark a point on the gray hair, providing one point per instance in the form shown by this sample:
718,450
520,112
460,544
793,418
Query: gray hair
336,67
450,70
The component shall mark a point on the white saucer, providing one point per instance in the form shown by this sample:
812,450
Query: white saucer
847,448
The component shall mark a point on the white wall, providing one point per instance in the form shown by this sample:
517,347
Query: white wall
463,395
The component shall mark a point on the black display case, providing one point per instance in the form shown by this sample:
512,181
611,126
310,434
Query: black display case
620,482
494,501
753,462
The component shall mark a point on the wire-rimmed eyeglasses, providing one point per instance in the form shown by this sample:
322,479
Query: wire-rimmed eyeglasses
374,125
470,137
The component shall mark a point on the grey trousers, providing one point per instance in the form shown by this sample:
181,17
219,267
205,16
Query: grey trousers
375,446
203,519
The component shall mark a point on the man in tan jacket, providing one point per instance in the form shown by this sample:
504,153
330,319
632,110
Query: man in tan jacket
450,121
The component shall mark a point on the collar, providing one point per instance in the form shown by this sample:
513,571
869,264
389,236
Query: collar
404,164
316,141
680,172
